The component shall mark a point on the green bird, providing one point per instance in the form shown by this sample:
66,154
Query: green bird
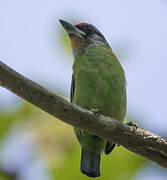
98,83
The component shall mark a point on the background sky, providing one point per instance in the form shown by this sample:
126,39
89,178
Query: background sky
30,43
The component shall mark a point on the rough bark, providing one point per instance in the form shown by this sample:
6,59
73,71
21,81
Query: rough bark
139,141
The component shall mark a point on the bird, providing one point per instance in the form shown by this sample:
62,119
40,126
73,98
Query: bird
98,84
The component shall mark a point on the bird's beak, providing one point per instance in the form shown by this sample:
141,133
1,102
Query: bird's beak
71,29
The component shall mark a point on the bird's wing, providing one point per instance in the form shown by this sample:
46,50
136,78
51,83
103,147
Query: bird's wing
72,88
81,133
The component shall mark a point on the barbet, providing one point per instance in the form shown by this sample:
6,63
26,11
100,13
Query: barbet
98,82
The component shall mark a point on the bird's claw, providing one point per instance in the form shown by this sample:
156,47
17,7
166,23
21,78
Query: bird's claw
133,125
96,112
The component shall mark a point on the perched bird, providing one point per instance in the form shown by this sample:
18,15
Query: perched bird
98,82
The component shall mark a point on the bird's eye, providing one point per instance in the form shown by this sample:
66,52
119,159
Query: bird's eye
89,31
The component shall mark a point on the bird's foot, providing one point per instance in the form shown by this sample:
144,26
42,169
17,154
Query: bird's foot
133,125
96,112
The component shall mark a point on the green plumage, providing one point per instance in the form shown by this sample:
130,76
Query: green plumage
98,83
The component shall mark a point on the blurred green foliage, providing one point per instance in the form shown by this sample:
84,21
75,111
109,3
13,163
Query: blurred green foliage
5,176
121,164
23,112
64,39
65,42
7,120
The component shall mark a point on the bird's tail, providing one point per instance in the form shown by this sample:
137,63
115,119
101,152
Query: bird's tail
90,163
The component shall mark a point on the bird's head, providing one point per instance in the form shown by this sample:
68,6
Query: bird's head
83,35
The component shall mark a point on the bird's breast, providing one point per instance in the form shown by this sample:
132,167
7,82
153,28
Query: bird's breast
100,84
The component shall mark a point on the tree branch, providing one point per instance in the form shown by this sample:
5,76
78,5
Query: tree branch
139,141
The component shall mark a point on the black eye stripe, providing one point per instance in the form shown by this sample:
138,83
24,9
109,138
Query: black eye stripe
90,29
